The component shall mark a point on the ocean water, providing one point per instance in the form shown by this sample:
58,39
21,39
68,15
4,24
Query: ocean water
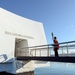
56,68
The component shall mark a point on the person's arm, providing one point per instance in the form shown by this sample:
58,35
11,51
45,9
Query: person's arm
54,44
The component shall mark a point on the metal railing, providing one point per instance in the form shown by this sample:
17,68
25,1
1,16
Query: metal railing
66,49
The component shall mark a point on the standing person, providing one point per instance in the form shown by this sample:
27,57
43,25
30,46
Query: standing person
56,46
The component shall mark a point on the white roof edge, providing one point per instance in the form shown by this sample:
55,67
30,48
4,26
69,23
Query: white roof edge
18,15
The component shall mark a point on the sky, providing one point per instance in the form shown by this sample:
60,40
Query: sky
57,16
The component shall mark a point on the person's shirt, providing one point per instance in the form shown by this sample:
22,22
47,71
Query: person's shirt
56,44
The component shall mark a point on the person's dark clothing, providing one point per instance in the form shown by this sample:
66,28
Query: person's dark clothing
56,47
56,53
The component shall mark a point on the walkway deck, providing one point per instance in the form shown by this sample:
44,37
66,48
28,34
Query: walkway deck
53,59
46,53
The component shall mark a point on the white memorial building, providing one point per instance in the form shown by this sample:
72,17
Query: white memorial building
18,32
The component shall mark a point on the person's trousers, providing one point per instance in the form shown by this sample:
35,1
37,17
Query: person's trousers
56,53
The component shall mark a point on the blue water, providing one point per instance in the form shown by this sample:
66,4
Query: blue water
56,68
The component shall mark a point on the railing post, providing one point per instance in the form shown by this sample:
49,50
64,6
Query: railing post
40,52
35,51
48,51
67,49
62,51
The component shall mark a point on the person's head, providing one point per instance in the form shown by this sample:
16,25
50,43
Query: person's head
55,37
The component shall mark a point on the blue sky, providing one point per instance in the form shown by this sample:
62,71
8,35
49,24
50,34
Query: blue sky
57,16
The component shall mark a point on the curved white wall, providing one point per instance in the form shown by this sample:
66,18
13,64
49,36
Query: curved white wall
13,26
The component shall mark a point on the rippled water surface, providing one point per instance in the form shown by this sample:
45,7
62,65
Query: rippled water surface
56,68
